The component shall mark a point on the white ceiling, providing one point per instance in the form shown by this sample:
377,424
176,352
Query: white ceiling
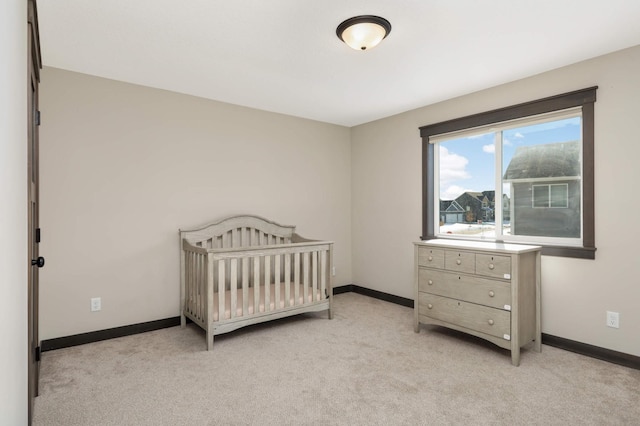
284,56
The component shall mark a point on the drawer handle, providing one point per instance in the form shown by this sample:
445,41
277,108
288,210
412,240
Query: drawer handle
430,282
429,306
491,266
430,258
458,262
491,293
490,322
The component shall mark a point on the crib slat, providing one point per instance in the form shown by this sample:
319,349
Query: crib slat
256,285
245,287
194,285
305,275
184,291
209,290
190,280
296,277
197,285
221,289
235,238
195,281
287,280
187,285
276,281
314,274
200,293
267,283
323,274
233,283
201,288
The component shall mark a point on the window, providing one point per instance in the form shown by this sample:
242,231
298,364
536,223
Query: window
520,174
550,196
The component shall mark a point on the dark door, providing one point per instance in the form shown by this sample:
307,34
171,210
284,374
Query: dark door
34,259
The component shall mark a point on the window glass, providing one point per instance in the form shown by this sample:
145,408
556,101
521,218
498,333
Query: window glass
558,196
540,196
467,185
535,164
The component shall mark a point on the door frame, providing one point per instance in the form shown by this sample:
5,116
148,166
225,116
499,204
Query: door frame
33,121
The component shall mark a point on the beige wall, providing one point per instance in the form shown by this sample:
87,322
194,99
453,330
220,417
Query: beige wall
124,166
386,207
13,213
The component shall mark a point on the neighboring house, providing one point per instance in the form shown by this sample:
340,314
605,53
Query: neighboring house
545,190
451,212
506,208
469,207
477,205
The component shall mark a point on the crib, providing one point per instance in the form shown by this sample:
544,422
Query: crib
246,270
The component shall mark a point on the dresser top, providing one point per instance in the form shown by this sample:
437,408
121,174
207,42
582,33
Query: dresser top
479,245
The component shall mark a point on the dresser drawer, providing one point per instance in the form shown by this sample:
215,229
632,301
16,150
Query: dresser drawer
460,261
433,258
494,322
484,291
493,266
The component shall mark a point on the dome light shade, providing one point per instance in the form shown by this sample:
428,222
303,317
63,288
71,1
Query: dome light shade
363,32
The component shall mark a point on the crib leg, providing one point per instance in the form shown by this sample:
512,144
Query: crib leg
209,341
183,320
330,313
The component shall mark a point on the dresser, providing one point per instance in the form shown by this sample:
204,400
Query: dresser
490,290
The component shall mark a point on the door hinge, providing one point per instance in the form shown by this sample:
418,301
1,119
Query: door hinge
37,354
37,235
37,118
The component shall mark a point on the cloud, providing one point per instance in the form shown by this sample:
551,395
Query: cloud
452,192
519,135
489,149
452,167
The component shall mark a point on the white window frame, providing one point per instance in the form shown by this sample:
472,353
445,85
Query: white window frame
498,129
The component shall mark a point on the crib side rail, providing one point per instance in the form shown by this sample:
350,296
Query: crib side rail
195,294
248,251
271,278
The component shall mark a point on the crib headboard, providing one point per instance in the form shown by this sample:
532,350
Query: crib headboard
239,231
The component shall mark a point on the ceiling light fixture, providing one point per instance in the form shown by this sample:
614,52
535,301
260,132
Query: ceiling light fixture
363,32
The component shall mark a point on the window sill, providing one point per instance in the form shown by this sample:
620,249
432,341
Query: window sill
575,252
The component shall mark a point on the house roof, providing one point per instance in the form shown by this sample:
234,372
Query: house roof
491,195
454,207
545,161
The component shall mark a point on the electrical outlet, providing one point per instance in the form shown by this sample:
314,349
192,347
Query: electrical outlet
96,304
613,319
333,271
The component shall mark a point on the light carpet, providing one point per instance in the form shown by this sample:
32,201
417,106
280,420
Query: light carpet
366,366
